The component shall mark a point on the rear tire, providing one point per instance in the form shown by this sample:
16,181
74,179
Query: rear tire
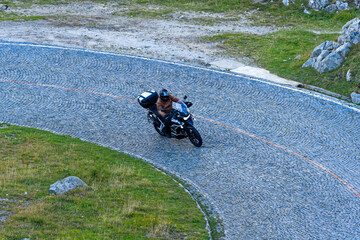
194,136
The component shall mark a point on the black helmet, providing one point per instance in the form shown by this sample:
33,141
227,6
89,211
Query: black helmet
164,95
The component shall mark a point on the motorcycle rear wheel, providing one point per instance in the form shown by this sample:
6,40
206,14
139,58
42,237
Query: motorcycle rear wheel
194,136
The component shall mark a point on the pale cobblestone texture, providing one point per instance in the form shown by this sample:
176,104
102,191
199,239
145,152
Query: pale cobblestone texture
260,190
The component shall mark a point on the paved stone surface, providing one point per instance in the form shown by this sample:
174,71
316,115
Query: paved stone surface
277,162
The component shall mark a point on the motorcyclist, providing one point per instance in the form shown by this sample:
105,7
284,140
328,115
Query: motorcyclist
164,107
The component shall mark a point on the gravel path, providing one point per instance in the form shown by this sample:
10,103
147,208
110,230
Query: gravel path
277,162
176,36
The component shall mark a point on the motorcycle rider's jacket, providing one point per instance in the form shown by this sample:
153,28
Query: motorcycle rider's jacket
160,104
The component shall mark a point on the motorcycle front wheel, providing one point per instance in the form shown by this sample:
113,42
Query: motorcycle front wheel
194,136
157,128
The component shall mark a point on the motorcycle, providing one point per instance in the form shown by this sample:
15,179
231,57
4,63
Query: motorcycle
182,121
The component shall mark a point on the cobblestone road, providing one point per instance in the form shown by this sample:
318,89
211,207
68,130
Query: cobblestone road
277,162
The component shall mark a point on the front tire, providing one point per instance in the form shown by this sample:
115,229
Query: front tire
194,136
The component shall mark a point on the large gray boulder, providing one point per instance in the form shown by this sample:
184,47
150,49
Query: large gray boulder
327,56
65,185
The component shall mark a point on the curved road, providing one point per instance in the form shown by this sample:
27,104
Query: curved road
277,162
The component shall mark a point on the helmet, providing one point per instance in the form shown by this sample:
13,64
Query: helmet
164,95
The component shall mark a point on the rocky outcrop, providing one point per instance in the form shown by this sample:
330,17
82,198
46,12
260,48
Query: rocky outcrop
350,32
65,185
318,5
330,54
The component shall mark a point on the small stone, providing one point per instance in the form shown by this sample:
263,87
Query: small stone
65,185
297,57
355,97
348,76
307,12
4,7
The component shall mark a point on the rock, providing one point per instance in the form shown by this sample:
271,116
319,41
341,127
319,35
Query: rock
4,7
331,62
342,5
328,45
331,8
297,57
307,12
323,54
309,63
343,49
355,97
348,76
330,54
65,185
317,51
347,29
317,4
318,60
353,38
351,26
286,2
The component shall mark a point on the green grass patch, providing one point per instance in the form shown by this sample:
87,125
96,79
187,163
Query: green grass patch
276,52
126,198
14,17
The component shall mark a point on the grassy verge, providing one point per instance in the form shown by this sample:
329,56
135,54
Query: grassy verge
126,198
277,51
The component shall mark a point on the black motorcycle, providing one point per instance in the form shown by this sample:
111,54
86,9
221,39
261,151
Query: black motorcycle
182,121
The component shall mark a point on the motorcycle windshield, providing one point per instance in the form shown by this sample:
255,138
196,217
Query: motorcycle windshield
182,108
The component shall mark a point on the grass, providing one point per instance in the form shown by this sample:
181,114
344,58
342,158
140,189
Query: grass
277,51
126,198
15,17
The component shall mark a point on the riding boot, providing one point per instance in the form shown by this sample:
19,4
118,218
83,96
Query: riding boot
168,134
